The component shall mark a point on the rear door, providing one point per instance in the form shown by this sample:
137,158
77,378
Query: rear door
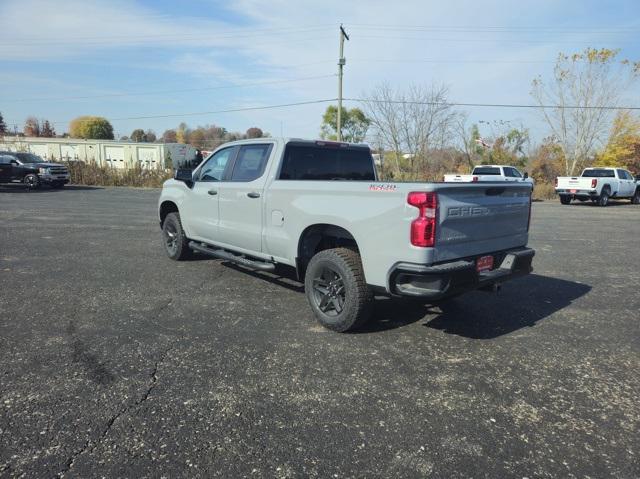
5,168
476,219
240,197
627,185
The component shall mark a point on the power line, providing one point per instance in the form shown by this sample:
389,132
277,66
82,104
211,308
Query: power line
495,105
467,40
161,92
230,110
493,29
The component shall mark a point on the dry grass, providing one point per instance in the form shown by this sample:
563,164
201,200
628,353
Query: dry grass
544,191
93,174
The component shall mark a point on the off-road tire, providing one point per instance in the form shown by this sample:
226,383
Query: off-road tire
565,199
357,302
176,244
603,200
31,181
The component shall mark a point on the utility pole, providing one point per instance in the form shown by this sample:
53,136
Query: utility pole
341,63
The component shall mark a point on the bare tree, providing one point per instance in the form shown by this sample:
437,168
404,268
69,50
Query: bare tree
411,123
32,127
572,102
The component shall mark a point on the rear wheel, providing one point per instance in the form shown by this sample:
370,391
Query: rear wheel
336,289
31,181
176,244
635,199
604,198
565,199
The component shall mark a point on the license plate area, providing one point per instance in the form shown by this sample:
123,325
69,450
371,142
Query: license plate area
484,263
573,191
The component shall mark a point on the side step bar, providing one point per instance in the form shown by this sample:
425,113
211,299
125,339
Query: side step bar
226,255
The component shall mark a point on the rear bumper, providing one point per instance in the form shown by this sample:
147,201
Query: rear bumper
450,279
570,192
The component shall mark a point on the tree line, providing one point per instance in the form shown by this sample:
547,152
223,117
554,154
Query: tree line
206,137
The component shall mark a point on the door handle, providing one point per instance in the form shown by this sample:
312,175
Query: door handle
212,192
253,194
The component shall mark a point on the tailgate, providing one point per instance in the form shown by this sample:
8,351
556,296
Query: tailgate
574,182
474,219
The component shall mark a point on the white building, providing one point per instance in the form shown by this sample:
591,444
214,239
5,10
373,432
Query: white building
117,154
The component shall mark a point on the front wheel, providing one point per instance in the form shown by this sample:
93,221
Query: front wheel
176,244
635,199
337,291
31,181
565,199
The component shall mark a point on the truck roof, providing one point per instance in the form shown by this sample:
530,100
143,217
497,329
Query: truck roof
287,140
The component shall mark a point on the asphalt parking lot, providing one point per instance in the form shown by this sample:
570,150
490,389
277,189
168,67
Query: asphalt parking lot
117,362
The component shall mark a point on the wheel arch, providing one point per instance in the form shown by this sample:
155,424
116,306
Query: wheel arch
318,237
167,207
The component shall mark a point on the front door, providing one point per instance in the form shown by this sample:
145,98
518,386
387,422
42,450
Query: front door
201,205
241,198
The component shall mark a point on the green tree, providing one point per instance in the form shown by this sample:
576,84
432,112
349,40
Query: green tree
137,135
91,127
3,126
354,124
47,130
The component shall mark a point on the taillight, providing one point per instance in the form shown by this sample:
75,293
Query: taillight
423,228
594,183
556,182
474,179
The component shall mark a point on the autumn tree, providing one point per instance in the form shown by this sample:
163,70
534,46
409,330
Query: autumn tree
91,127
547,161
31,127
137,135
254,132
182,133
354,124
3,126
169,136
150,136
623,146
575,103
47,130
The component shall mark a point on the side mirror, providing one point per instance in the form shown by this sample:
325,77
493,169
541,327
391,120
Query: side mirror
185,175
526,175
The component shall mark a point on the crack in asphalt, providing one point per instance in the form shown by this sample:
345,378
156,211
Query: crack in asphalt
89,445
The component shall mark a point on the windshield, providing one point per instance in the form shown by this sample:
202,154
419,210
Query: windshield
598,174
28,158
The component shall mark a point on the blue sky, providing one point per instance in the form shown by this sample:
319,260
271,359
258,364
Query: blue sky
122,59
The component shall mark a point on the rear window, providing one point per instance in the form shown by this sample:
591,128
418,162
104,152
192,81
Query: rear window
318,163
486,170
596,173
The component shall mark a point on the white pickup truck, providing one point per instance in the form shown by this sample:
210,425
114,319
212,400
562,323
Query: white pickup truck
598,185
490,173
318,207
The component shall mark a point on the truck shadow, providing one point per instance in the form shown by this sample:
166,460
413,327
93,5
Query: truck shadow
475,315
528,301
612,202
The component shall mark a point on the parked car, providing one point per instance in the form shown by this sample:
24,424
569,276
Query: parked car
490,173
598,185
31,170
318,207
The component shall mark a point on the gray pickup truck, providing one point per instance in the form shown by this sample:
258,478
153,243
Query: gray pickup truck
319,207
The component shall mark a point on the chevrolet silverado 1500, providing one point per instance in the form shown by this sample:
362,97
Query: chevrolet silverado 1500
319,207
